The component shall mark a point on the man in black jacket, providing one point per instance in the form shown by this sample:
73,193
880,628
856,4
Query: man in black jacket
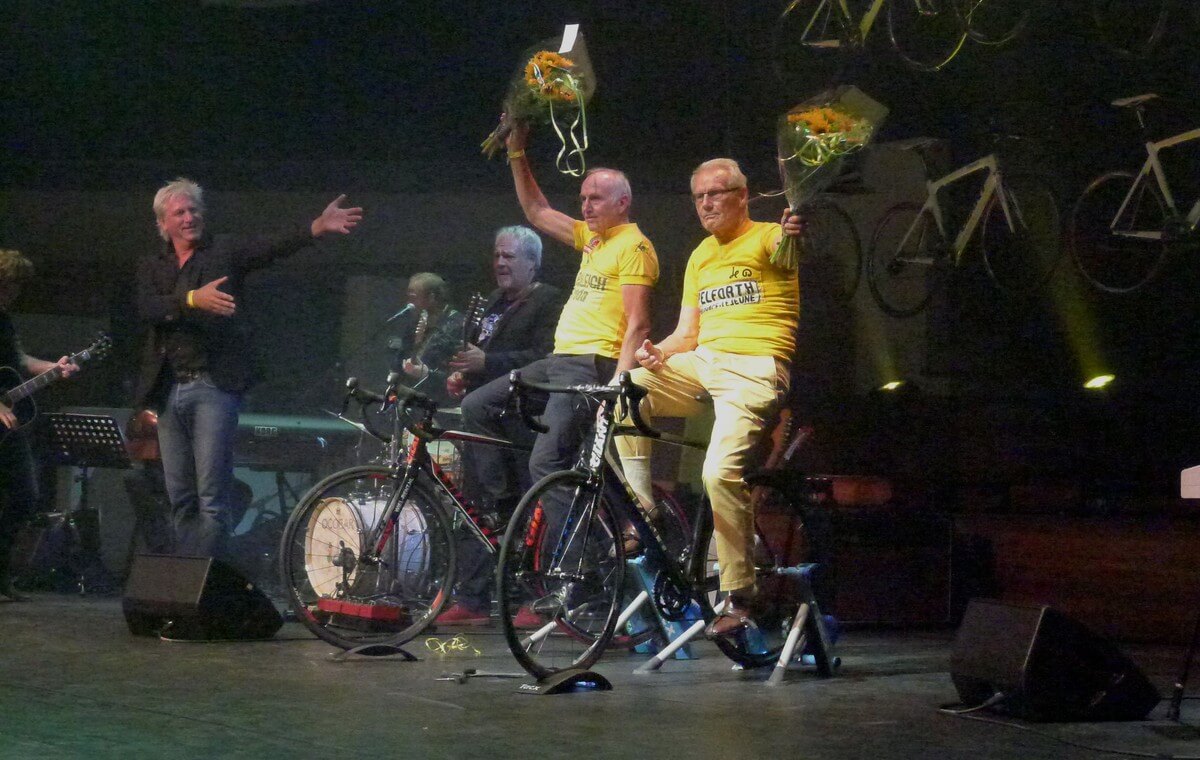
196,362
517,327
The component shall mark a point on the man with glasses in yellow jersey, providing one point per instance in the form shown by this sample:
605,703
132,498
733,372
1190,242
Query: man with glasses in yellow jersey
734,343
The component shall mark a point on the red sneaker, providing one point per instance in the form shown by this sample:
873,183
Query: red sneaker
460,614
527,619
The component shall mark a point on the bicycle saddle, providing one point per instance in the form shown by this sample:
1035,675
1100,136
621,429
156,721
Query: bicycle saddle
1135,100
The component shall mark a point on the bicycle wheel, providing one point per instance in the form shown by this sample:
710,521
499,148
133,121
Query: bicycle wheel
560,575
1021,247
995,22
811,41
774,608
1130,28
927,34
908,260
833,257
1118,263
340,597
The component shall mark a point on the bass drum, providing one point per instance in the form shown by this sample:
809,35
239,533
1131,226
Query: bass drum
335,536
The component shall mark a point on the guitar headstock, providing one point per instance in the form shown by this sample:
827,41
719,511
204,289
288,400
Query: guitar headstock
98,350
474,316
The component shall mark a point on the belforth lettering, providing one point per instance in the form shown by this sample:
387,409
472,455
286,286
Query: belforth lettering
732,294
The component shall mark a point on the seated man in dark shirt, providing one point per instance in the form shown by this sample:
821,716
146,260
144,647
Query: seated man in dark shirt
517,328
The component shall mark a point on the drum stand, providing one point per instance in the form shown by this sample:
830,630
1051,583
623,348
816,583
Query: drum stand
86,441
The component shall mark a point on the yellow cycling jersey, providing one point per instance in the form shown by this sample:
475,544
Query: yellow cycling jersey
593,320
747,305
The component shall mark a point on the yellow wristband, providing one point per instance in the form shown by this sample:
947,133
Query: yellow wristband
516,154
191,298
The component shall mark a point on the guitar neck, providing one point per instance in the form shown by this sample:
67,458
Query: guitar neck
32,386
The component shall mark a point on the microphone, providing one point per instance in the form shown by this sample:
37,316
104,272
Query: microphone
399,314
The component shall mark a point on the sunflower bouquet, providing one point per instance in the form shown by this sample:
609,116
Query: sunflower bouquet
814,139
552,85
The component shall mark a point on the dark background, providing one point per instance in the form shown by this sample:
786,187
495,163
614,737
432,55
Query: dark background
388,101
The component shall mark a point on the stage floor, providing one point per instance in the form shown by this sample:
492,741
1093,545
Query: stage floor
76,684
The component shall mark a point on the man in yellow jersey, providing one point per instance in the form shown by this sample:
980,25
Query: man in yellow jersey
606,317
734,342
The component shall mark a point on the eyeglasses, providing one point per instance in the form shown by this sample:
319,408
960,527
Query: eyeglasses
714,194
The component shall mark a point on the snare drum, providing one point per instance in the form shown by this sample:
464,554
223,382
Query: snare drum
335,535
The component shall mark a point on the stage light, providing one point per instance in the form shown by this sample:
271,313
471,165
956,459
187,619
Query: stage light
894,385
1099,382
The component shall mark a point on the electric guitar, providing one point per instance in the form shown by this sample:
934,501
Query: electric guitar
18,395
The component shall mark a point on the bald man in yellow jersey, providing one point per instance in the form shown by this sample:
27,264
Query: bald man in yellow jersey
734,342
605,319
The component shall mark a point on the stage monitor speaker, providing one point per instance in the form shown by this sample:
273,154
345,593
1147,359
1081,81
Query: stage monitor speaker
1047,666
201,598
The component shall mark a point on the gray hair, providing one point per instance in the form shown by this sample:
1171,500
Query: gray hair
178,187
619,179
727,165
428,282
529,244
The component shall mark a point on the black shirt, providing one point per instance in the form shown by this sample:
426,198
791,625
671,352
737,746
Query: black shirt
10,347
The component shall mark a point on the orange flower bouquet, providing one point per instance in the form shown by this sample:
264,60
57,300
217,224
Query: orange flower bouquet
814,139
552,85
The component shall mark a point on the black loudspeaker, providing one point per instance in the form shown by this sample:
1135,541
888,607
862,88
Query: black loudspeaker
1047,666
199,597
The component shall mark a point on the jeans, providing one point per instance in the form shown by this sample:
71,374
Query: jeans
195,436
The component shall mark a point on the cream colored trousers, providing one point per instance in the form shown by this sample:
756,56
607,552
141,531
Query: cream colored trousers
746,392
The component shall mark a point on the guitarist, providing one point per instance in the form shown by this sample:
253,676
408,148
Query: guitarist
422,352
18,482
517,328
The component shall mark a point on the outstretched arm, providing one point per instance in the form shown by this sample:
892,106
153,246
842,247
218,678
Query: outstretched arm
537,209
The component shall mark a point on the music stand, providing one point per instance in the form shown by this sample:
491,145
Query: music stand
86,441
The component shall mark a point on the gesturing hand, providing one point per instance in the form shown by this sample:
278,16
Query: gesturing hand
649,356
208,298
336,219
